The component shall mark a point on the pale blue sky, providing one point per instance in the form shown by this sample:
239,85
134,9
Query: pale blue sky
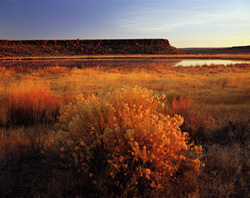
185,23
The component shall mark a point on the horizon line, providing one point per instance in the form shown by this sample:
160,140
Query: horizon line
53,39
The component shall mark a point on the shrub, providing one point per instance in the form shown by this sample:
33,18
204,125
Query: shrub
122,145
28,104
227,173
232,131
197,122
53,70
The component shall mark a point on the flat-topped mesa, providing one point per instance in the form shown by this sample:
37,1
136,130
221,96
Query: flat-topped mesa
86,47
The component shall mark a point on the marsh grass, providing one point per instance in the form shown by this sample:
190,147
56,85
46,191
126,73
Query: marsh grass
214,101
28,104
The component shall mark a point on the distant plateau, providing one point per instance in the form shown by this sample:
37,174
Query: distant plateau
24,48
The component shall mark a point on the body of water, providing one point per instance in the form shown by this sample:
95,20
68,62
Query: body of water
200,62
82,63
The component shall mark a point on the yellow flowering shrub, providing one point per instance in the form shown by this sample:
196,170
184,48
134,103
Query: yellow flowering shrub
125,146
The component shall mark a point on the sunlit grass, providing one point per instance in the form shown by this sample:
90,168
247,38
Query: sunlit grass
213,84
213,88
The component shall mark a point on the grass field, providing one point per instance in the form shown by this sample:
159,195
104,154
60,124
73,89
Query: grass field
213,100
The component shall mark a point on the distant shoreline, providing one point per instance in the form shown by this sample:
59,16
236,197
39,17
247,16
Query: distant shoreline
218,50
142,56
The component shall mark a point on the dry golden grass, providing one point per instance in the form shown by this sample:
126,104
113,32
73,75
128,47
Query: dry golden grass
209,86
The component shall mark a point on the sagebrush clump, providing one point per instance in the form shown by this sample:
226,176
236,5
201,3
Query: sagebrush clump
122,144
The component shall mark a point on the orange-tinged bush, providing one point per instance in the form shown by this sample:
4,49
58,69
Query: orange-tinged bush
196,120
124,146
28,103
2,69
53,70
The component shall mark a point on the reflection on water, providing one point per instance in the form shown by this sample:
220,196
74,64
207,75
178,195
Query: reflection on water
200,62
82,63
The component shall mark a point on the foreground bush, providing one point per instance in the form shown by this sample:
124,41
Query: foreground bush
122,145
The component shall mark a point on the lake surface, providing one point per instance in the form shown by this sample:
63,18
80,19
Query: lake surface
200,62
82,63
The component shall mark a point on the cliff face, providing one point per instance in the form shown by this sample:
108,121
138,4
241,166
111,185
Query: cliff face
85,47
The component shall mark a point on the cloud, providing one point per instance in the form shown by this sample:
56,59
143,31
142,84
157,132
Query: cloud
165,19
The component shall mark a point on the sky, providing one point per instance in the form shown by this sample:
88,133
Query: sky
185,23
